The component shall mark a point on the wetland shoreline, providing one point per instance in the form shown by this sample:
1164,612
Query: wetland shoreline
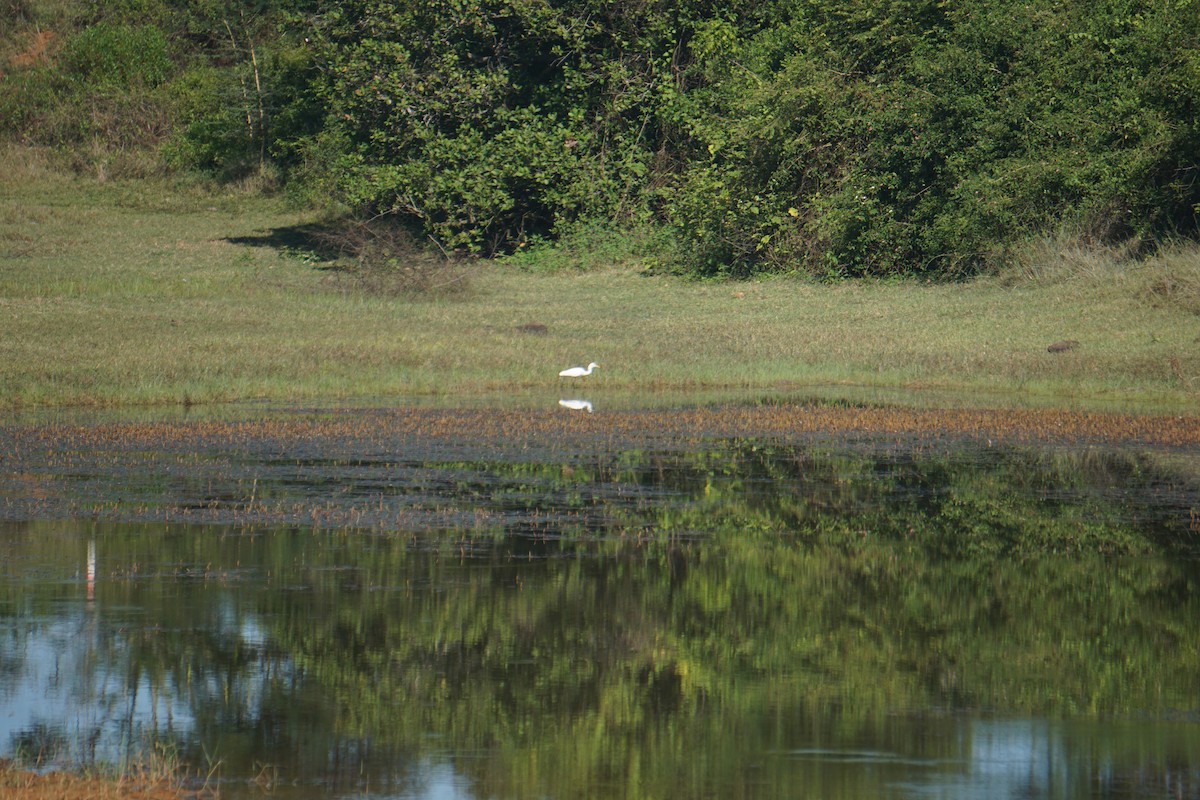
922,546
388,465
498,426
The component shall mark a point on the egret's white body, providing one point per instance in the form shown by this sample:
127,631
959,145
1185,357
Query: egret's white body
578,372
577,405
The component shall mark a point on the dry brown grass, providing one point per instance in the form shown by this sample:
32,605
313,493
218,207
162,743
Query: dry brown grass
20,784
1172,279
39,46
378,257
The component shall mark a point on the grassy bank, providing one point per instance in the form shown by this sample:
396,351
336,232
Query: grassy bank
114,294
142,783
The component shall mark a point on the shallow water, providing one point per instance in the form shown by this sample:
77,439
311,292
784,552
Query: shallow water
418,616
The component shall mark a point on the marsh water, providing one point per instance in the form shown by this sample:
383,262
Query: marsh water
437,615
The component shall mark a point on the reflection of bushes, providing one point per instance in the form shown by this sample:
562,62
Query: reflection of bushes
564,666
747,574
40,744
947,506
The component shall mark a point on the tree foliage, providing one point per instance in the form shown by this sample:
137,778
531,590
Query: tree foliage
917,137
497,121
835,137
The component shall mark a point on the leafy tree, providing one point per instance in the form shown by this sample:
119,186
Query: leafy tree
245,96
491,123
912,137
834,137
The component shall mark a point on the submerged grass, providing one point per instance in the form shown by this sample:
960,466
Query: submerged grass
152,292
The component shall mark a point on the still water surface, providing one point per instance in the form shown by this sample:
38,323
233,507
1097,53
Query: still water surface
738,617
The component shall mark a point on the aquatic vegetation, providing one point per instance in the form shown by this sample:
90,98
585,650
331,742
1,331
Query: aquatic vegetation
551,588
437,469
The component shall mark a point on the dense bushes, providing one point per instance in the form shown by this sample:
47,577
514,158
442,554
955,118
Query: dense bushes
198,85
104,86
491,122
837,137
840,138
912,137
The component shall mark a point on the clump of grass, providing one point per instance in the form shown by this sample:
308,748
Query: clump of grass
379,257
1067,255
1172,278
591,245
1165,276
158,776
21,164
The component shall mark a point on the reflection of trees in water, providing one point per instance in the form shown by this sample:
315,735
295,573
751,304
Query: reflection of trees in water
85,691
730,602
40,743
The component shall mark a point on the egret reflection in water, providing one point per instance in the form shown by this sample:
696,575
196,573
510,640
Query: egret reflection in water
577,405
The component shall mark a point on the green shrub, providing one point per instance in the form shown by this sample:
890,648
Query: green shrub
494,123
119,56
26,95
910,137
235,114
101,95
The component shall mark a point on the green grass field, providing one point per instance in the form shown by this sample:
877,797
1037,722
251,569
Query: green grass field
151,293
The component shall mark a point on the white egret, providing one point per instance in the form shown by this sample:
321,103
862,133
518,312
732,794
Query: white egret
578,372
577,405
